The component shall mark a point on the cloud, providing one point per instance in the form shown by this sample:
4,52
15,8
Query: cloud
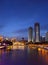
20,31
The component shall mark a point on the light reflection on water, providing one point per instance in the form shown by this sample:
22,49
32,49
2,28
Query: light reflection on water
43,54
24,55
18,47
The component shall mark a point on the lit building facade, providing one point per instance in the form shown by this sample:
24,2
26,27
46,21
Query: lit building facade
42,38
37,32
30,34
46,37
1,38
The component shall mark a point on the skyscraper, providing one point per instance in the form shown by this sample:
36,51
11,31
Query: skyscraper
37,32
30,34
46,37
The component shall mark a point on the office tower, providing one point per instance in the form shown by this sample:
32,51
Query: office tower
30,34
42,38
37,32
46,37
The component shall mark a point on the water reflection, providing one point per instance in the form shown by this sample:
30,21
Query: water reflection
24,55
18,47
43,54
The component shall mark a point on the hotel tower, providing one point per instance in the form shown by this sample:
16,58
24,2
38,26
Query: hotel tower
30,34
37,32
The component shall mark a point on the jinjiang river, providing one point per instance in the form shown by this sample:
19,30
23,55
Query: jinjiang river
24,55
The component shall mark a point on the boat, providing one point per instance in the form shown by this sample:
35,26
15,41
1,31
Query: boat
2,47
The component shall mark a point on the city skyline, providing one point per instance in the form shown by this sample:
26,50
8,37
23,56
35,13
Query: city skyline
23,32
17,16
33,34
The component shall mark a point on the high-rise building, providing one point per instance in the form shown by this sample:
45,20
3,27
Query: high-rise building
37,32
30,34
46,37
42,38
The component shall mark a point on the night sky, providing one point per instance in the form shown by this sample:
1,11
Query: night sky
17,15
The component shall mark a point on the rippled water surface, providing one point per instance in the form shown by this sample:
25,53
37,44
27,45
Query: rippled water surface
24,56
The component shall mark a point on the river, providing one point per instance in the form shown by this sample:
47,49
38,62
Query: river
24,55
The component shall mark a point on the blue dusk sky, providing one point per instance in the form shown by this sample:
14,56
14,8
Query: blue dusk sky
17,15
